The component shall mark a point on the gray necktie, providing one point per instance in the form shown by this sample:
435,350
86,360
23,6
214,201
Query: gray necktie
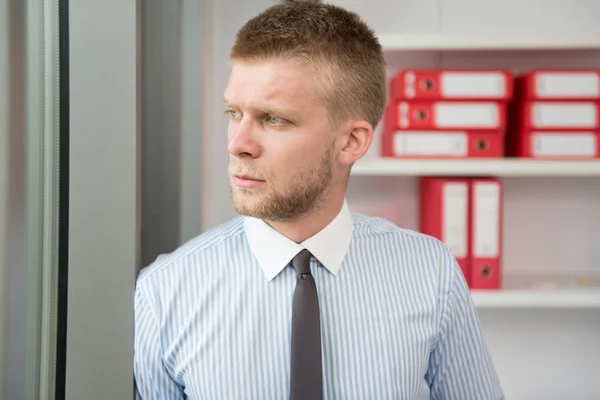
306,379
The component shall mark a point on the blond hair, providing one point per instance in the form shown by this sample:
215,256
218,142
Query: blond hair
334,43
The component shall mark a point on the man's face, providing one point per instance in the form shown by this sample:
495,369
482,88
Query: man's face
281,143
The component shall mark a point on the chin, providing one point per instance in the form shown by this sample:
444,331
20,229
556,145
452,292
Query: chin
281,207
251,204
246,201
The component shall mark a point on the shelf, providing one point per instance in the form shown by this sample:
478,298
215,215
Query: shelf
474,167
404,42
574,298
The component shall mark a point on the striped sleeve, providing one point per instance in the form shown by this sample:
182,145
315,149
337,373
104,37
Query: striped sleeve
460,365
152,380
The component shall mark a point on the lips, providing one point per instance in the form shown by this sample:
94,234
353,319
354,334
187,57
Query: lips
246,181
247,177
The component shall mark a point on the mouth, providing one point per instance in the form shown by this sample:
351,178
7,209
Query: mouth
246,181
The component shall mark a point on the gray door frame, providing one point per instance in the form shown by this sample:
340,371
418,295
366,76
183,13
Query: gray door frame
104,197
107,92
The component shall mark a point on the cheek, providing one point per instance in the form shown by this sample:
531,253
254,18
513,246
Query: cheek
290,164
231,128
285,158
283,167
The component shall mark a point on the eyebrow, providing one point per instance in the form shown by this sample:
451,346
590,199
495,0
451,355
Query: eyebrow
266,110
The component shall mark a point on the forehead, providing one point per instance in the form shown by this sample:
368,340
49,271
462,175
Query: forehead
270,81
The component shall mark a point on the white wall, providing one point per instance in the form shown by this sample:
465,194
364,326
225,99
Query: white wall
540,354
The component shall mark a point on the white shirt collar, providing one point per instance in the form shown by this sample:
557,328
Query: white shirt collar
275,251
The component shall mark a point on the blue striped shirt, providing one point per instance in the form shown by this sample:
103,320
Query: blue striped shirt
212,319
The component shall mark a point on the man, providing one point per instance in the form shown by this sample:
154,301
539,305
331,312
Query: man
299,298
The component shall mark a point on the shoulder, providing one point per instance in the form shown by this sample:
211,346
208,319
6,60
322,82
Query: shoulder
423,261
190,253
415,252
374,228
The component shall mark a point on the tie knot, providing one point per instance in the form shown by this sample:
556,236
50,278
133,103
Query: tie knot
301,262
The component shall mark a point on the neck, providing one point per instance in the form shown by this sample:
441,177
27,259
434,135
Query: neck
310,224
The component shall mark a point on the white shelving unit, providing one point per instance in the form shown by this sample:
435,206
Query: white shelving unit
508,297
475,167
583,298
394,42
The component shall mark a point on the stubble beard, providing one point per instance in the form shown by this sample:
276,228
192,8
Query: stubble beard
307,191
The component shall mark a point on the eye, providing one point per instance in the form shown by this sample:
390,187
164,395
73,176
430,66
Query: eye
235,114
275,120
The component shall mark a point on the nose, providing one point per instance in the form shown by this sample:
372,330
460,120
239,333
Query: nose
242,139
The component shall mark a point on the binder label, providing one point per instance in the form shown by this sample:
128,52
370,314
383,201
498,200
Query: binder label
486,219
565,144
409,84
565,84
563,114
427,143
468,115
473,84
455,212
403,115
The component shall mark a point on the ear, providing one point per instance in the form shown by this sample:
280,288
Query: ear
356,142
